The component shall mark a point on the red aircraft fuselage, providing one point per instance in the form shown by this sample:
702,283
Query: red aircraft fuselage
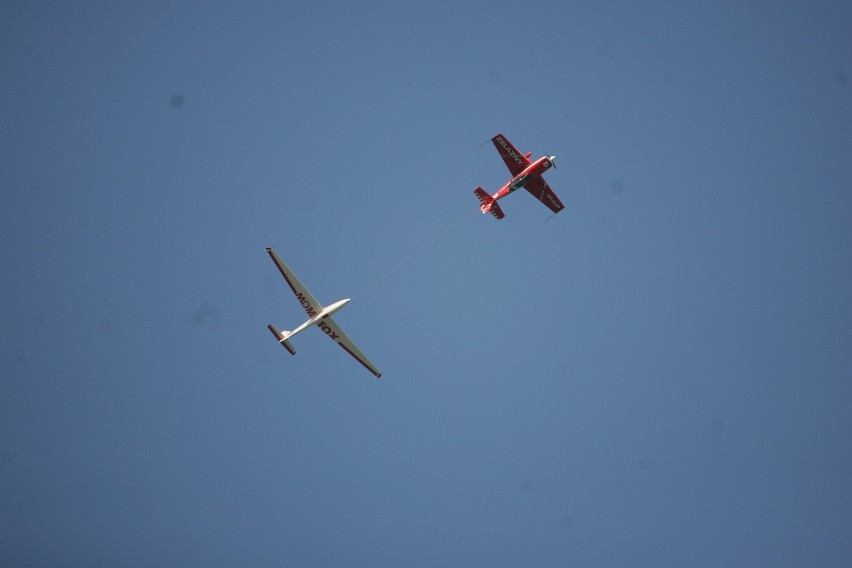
534,169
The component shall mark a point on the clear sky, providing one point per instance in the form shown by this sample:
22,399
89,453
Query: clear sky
658,376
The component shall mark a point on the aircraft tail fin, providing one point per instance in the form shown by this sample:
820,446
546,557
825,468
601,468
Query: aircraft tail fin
488,204
282,338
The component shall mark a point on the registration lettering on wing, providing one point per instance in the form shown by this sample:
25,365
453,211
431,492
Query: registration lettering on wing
328,331
509,152
553,201
306,304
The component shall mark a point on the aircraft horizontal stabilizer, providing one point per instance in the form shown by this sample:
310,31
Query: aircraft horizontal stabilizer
488,203
496,211
282,338
482,195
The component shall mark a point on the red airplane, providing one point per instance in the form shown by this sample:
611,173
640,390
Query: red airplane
525,174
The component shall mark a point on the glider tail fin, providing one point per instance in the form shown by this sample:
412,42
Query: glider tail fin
282,338
488,204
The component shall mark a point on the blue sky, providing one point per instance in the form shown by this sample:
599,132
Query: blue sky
658,376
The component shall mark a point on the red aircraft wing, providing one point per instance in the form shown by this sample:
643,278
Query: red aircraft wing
515,161
539,189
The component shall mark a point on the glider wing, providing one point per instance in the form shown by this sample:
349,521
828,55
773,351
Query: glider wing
539,189
515,161
331,329
309,303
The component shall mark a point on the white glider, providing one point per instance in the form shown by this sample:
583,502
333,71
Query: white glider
319,316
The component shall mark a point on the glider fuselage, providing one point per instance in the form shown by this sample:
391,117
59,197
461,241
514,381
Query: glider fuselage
333,308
